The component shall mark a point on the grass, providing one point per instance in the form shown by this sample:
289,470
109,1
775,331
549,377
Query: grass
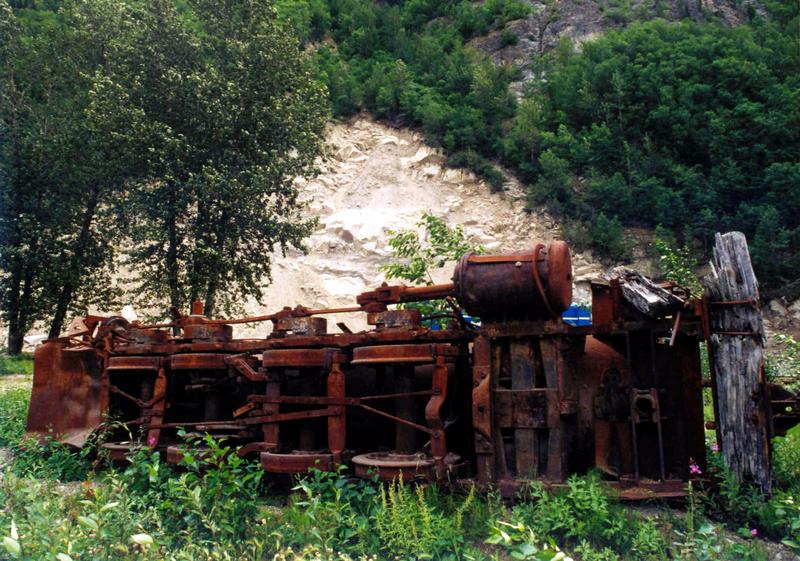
16,364
64,505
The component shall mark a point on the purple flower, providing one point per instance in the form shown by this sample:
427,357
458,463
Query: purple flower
715,447
694,469
152,441
753,532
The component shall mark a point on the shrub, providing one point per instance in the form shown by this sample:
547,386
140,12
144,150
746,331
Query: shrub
480,166
608,237
508,38
13,415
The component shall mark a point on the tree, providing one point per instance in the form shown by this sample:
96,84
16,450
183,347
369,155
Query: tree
227,116
418,256
54,186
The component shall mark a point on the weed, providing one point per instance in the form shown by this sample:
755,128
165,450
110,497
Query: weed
16,364
13,414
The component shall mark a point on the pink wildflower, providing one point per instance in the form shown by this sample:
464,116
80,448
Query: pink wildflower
753,532
715,447
694,469
152,441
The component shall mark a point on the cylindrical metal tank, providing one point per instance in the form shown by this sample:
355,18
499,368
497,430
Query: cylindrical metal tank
534,284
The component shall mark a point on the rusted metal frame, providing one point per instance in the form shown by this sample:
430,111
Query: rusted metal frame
433,416
337,425
271,431
159,405
482,413
141,403
670,489
240,364
328,400
552,327
395,418
338,340
538,280
634,437
405,437
655,417
556,376
501,258
525,408
282,417
674,331
654,391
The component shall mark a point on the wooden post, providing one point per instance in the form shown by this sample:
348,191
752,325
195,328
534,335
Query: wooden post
737,361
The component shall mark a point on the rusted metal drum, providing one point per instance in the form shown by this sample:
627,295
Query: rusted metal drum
535,284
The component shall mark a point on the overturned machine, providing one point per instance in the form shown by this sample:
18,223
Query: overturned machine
517,396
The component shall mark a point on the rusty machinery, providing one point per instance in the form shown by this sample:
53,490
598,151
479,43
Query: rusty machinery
522,395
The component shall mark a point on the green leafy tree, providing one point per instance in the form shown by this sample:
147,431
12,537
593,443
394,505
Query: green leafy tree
56,183
421,251
231,115
678,264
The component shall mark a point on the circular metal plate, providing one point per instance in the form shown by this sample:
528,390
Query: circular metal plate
390,465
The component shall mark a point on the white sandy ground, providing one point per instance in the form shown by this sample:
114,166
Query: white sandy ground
381,179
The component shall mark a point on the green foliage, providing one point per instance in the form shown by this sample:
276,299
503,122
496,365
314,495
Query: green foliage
608,237
585,516
678,265
49,459
16,364
56,251
480,166
145,512
367,518
13,414
420,255
417,254
221,115
693,127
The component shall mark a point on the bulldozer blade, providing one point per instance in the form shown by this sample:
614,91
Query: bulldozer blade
69,395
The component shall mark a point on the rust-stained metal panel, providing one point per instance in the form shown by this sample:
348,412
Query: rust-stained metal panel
69,392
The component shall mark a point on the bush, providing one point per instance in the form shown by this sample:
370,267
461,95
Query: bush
508,38
608,237
480,166
13,415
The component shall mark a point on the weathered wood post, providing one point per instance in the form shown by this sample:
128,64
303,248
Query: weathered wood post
737,361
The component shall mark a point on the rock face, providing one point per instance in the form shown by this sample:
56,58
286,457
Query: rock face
583,20
380,179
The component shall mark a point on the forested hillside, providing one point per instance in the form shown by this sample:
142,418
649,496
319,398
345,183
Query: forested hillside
686,126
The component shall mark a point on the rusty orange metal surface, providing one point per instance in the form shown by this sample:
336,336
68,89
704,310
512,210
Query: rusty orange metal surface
69,392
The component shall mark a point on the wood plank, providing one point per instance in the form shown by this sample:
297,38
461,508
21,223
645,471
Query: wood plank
737,361
522,378
643,294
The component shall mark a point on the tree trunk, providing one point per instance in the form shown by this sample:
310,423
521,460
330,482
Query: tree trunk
15,334
737,361
74,268
211,296
172,254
